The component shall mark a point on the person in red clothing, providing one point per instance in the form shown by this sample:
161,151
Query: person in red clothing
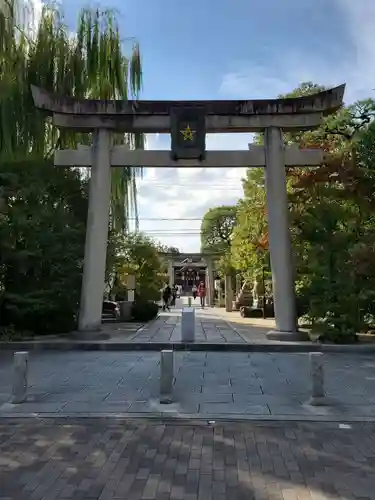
202,293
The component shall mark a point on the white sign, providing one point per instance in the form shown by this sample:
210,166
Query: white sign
130,282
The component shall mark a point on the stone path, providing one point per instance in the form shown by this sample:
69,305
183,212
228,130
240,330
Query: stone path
212,326
208,328
207,384
136,460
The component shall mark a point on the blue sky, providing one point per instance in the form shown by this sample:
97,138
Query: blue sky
224,49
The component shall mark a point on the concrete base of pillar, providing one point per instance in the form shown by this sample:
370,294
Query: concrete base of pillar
297,336
318,401
90,335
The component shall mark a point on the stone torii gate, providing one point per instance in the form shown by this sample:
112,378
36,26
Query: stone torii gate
191,119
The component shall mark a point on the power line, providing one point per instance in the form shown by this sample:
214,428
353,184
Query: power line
161,231
191,183
171,235
193,186
169,218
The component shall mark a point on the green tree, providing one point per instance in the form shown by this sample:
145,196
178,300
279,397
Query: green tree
42,233
168,249
217,228
44,209
91,63
332,221
249,248
139,255
333,227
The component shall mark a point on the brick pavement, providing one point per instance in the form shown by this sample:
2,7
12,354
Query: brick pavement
137,460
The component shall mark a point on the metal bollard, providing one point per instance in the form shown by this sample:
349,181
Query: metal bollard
189,301
166,376
20,372
317,379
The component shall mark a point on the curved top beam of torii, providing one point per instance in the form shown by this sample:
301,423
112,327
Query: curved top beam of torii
325,102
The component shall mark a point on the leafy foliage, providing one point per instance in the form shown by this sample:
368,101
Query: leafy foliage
138,255
43,209
168,249
250,237
42,233
217,228
333,232
332,222
216,235
91,64
144,310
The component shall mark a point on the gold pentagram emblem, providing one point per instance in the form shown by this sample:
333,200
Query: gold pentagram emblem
188,133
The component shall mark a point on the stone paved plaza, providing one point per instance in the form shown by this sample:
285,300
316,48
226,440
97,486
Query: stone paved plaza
213,325
105,459
208,384
209,327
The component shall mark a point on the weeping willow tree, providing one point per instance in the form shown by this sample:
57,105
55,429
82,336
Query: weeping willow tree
90,63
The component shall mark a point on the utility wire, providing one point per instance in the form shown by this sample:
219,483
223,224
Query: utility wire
193,186
165,235
170,218
161,231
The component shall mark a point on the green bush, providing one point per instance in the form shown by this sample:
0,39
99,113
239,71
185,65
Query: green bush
42,234
39,313
302,304
249,312
334,336
143,310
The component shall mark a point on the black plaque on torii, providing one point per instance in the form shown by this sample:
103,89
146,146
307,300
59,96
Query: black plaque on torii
188,133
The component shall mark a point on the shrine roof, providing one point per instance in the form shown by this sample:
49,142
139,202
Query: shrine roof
325,102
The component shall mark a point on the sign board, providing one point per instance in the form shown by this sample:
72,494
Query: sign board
188,133
130,282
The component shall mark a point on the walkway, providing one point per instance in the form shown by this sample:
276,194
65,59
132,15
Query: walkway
138,460
213,325
206,385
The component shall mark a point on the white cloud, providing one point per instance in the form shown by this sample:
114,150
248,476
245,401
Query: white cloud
184,193
360,19
356,67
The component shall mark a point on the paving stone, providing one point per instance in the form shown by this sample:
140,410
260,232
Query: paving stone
299,410
266,399
74,407
234,408
207,397
89,382
31,407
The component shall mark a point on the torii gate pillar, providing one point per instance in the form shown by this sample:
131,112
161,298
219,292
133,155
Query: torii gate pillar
209,282
279,239
90,313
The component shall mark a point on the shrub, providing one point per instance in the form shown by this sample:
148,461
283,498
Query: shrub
144,310
249,312
42,234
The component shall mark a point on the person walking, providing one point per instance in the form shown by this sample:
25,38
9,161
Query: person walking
167,293
202,293
194,292
174,295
